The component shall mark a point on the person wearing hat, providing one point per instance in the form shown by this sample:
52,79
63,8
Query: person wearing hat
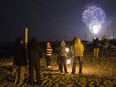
48,54
62,57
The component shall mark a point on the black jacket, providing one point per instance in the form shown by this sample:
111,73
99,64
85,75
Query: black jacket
34,52
19,55
96,43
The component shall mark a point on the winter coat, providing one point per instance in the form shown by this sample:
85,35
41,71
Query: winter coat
34,52
96,43
105,42
19,55
62,51
34,57
48,50
77,48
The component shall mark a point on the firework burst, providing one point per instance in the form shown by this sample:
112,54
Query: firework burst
94,17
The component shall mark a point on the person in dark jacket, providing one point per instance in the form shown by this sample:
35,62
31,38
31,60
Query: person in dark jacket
96,47
35,53
19,61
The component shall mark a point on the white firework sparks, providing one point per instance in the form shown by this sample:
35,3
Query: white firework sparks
94,17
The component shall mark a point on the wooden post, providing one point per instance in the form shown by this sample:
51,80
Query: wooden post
26,37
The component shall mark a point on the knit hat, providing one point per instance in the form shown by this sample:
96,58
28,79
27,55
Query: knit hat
63,43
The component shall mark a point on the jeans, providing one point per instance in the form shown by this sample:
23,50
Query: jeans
104,52
63,64
58,62
77,59
48,60
35,67
19,74
96,52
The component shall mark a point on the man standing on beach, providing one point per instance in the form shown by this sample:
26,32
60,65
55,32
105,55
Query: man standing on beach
77,50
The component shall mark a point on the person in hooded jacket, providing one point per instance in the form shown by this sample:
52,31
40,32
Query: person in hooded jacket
62,57
77,49
19,61
34,55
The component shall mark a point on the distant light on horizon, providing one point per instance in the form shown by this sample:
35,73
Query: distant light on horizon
94,17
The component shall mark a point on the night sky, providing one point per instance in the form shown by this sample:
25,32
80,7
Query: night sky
51,19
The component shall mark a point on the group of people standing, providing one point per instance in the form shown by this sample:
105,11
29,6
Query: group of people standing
32,54
77,50
23,56
100,45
